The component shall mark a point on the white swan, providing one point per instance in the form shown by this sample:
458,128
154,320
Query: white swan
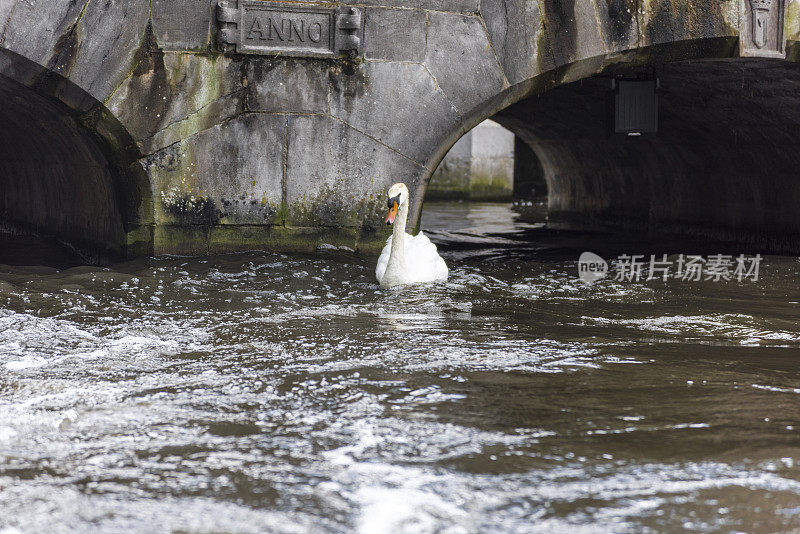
407,259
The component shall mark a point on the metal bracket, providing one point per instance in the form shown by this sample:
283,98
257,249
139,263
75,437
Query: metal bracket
761,33
349,24
227,19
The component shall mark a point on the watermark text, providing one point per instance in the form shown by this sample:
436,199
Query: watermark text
685,267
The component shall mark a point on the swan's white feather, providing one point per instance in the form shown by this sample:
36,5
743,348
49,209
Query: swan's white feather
423,263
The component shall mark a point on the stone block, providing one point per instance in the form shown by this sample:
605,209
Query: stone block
6,7
139,241
182,24
40,31
399,104
516,30
655,22
110,34
228,174
480,166
181,240
231,238
792,28
205,117
337,176
234,238
450,180
287,84
664,21
395,34
455,6
573,30
178,95
21,70
462,61
492,169
618,23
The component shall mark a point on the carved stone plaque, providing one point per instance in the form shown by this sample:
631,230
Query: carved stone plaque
761,33
277,28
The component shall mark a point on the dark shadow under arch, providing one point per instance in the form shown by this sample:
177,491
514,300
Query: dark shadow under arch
724,165
67,167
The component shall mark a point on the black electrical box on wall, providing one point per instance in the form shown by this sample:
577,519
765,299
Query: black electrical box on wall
633,107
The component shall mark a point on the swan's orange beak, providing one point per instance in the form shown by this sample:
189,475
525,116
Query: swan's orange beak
392,213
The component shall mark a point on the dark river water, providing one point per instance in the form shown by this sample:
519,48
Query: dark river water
272,393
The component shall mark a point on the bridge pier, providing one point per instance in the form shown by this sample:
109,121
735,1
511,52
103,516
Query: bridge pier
479,167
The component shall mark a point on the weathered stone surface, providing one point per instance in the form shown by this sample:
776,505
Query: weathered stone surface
287,84
41,31
674,20
655,22
360,101
182,24
233,238
450,180
228,174
92,43
205,117
178,95
109,35
343,180
183,240
516,30
619,25
573,29
793,20
492,166
456,6
395,34
6,7
462,61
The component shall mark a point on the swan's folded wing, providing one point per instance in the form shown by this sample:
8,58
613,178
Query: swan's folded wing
423,262
383,260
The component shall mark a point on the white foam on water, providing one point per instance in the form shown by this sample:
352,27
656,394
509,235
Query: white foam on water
777,389
408,510
64,509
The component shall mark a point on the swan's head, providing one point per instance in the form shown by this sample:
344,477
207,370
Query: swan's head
398,195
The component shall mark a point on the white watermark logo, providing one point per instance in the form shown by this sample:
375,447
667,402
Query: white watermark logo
591,267
685,267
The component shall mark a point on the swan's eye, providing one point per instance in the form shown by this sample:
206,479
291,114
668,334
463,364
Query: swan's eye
392,201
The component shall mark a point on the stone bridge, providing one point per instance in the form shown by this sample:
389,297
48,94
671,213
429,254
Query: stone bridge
190,126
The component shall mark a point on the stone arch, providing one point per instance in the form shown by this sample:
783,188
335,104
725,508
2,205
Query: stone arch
67,166
733,117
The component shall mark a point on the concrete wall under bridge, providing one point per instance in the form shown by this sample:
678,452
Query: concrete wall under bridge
190,126
480,166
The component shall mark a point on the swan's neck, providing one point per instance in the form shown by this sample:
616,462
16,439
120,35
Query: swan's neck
397,258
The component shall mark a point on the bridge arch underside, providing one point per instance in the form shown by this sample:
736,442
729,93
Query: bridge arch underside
724,164
65,194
